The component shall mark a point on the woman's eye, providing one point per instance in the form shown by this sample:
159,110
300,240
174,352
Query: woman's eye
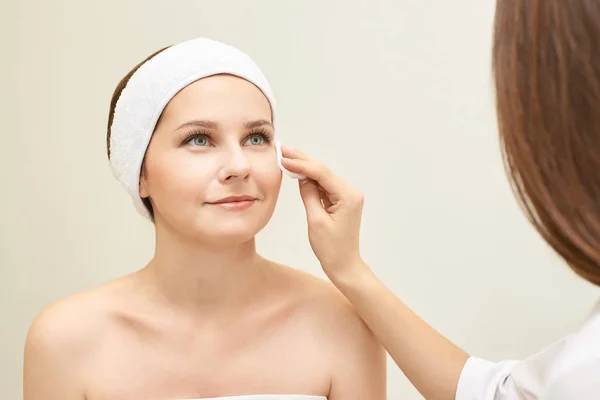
256,140
199,140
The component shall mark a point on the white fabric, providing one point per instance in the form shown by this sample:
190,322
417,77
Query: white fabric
151,88
568,369
267,397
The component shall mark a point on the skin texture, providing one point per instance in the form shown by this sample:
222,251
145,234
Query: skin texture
333,209
207,316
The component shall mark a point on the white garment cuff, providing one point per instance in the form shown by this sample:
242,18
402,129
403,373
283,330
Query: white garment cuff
480,379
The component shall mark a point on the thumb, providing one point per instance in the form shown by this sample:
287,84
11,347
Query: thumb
309,191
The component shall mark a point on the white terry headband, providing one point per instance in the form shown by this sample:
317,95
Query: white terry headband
154,84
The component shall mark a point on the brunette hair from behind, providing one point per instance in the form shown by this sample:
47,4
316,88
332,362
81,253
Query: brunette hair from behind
546,64
113,102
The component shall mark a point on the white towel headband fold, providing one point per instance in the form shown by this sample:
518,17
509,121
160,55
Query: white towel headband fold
154,84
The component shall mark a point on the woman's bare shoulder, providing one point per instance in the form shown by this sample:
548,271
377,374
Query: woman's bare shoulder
320,299
358,361
74,323
61,341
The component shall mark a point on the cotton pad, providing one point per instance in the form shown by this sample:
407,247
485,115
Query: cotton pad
279,157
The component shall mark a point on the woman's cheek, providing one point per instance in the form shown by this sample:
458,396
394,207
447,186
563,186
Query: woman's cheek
266,168
181,173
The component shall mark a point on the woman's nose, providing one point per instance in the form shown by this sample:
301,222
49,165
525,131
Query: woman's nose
236,165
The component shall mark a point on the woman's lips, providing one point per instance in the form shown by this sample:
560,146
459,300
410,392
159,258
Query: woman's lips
234,203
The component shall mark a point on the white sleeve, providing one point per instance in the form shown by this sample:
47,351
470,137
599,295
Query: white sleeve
485,380
568,369
579,382
528,380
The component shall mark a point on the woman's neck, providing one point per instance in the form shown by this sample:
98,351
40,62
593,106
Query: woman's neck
202,277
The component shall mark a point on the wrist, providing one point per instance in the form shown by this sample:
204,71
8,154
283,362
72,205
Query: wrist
350,274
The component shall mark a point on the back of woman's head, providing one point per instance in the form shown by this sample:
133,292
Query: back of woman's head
113,104
546,61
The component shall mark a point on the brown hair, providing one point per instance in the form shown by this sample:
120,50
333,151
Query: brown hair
111,113
547,76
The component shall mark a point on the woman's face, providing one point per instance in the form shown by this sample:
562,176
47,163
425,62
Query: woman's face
211,168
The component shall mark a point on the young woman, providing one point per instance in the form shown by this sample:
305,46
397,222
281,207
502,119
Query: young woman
191,137
547,73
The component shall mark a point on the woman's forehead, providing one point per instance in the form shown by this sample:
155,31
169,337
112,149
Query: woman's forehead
219,96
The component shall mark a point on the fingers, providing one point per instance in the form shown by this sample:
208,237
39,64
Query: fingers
311,197
334,187
311,169
288,152
325,199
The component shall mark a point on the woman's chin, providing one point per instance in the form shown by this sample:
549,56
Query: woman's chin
228,235
221,231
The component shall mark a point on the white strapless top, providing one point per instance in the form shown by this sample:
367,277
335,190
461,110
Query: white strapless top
267,397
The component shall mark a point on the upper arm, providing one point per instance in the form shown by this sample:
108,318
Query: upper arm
52,359
359,362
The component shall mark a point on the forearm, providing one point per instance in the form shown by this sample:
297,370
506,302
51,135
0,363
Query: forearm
431,362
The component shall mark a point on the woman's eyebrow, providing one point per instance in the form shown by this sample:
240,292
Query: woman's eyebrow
257,124
215,125
200,123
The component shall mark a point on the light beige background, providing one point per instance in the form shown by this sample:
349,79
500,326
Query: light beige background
394,95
